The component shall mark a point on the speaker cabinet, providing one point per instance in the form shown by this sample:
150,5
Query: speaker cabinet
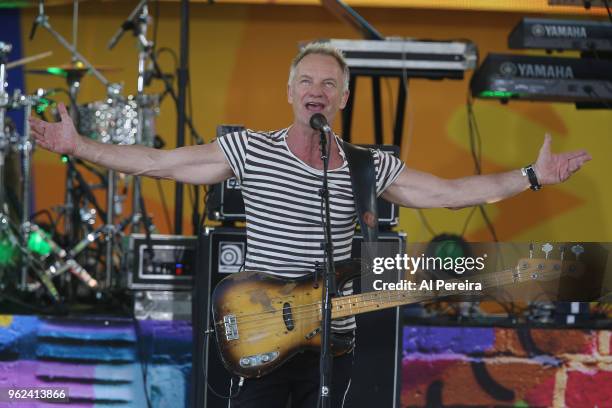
221,251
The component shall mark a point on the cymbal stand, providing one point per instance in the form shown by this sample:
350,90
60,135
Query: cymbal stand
43,21
144,46
138,21
4,100
114,91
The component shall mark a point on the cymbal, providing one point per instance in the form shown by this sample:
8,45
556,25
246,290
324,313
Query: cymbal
71,69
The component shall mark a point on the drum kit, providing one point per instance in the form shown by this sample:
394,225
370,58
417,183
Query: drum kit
80,260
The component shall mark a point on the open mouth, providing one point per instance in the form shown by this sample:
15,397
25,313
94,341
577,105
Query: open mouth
315,106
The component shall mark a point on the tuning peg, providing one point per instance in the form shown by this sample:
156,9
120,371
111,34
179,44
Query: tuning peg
547,248
562,252
577,250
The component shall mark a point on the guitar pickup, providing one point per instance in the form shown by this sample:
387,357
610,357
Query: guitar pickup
231,327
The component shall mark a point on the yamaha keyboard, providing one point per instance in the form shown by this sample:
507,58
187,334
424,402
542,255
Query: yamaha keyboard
414,58
549,34
581,80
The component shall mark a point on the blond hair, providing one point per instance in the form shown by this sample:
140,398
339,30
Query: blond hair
321,48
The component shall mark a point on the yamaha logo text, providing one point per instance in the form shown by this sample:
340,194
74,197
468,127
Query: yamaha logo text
537,71
560,31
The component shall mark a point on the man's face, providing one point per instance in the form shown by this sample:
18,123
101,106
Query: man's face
317,87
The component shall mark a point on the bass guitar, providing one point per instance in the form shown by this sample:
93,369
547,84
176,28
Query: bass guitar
261,320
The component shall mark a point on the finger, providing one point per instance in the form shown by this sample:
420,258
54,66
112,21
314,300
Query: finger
63,112
32,120
37,127
578,153
576,163
547,142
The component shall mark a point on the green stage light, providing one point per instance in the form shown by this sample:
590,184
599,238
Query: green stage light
497,94
7,252
43,104
14,4
57,71
38,243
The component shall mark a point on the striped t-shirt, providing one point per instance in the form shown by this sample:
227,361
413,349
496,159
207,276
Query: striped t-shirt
283,206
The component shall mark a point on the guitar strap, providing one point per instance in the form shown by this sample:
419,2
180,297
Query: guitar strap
363,181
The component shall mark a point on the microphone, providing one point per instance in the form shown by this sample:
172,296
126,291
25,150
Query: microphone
319,122
39,19
127,25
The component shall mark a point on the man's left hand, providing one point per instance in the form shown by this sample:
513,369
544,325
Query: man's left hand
554,168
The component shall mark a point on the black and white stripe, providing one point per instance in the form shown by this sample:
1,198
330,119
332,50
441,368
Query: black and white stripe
283,207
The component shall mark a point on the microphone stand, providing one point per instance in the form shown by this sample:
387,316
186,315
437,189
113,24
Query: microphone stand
169,89
329,281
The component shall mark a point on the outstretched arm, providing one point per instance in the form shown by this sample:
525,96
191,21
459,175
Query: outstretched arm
416,189
202,164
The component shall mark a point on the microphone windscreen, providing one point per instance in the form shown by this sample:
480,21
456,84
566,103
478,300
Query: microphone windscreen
318,121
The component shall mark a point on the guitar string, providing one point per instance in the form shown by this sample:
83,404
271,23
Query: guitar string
314,309
314,312
281,298
287,297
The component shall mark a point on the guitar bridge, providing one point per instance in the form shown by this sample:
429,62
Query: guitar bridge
231,327
258,359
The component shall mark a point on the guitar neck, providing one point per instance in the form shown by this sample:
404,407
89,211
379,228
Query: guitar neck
367,302
526,270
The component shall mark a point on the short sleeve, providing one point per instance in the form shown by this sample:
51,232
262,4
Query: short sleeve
388,168
234,147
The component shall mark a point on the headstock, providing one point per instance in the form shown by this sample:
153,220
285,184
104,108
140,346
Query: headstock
548,269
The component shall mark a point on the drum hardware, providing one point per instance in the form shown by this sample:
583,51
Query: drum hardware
74,74
25,244
77,69
27,60
137,22
36,247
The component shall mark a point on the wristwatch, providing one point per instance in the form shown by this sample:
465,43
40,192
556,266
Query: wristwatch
529,172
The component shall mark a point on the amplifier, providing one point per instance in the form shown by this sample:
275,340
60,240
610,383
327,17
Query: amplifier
221,251
225,203
388,213
171,265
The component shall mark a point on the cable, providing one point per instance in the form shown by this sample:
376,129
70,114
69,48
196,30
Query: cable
172,53
207,191
143,361
215,393
426,223
467,221
155,24
164,205
476,151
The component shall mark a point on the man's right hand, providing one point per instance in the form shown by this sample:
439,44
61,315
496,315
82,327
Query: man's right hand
60,137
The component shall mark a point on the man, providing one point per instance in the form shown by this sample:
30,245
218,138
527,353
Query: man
280,174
